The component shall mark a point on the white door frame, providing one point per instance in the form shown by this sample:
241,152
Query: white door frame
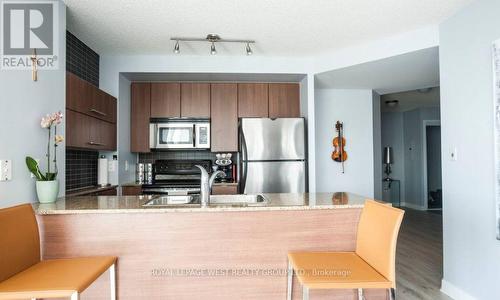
425,124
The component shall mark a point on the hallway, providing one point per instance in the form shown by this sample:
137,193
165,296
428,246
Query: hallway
419,258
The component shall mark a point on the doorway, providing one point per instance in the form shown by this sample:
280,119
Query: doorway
432,188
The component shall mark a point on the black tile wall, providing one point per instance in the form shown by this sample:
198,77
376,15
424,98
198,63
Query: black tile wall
81,60
81,168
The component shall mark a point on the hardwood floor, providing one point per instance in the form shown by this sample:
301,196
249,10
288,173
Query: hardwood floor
419,258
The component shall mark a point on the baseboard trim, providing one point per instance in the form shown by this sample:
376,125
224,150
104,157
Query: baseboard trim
454,292
412,206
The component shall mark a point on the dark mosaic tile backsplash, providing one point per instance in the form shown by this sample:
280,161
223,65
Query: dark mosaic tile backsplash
81,60
81,168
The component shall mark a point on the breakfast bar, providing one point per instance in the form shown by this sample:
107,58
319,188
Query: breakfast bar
223,251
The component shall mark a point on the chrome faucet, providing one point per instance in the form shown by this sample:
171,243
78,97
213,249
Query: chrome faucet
206,185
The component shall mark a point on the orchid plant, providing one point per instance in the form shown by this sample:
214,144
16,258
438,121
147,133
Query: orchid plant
48,122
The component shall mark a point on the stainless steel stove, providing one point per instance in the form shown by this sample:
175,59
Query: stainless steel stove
176,177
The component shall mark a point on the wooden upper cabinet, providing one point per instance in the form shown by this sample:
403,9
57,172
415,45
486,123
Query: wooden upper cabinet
78,93
165,100
140,114
253,100
224,117
284,100
86,132
195,100
83,97
77,129
103,106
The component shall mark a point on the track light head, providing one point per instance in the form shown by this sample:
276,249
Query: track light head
248,49
213,51
176,48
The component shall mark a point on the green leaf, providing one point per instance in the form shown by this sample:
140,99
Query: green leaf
34,168
51,176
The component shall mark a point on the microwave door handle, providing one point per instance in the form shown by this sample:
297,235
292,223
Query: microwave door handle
194,135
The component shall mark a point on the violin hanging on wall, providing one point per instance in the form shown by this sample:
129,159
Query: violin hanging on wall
339,154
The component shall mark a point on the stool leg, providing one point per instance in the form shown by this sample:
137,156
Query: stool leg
75,296
360,294
290,281
305,293
392,294
112,281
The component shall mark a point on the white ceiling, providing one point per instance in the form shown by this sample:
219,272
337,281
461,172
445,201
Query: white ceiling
405,72
411,100
280,27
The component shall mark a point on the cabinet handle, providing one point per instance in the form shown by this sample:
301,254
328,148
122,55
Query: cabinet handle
95,144
97,112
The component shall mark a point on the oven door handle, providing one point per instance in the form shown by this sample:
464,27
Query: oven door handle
194,135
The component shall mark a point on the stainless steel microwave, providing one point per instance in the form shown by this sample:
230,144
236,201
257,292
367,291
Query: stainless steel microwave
179,134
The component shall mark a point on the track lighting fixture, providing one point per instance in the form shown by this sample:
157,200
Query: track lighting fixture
213,51
212,38
248,49
176,48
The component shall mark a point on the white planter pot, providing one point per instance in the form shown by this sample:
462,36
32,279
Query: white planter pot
47,191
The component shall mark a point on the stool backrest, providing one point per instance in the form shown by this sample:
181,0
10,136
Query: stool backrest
19,240
377,237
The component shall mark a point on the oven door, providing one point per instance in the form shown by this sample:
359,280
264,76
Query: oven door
174,135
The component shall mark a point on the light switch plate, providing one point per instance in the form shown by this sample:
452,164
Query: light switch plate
5,170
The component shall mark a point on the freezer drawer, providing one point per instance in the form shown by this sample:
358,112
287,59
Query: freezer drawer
274,177
268,139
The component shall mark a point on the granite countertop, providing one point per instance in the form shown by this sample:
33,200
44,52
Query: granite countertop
89,190
133,204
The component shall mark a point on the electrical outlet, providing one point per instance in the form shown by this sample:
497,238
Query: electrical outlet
126,165
5,170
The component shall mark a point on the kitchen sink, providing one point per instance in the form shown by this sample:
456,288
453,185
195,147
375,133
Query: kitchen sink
174,201
215,200
238,200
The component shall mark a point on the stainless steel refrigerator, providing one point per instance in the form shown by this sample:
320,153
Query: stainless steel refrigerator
273,155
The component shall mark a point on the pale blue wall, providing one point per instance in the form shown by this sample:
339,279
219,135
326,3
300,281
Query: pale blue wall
377,146
355,109
392,136
22,104
471,251
124,154
413,159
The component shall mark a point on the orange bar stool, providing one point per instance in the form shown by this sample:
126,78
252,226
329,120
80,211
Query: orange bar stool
23,275
371,266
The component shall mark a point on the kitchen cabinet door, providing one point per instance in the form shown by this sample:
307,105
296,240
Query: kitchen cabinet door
131,190
224,117
140,113
253,100
284,100
102,135
78,93
83,97
224,189
103,106
86,132
165,100
195,100
77,129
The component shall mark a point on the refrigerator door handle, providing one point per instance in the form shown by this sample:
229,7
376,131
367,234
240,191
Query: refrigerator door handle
244,162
